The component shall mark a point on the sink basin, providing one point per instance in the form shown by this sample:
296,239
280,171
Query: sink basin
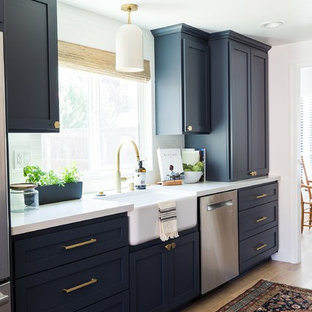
143,219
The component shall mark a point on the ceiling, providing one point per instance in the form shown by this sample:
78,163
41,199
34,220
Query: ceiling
243,16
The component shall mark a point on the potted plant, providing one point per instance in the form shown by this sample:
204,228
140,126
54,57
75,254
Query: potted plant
53,188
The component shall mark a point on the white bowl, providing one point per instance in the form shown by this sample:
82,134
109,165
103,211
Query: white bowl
192,176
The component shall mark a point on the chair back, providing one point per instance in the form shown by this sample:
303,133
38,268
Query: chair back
305,173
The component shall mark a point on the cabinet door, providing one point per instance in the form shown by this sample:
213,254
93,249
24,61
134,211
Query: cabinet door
149,279
31,65
1,11
239,110
196,86
259,113
184,270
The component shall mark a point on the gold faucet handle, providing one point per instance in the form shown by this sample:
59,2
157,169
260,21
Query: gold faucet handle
124,179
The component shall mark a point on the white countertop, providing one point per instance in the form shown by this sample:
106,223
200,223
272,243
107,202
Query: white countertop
87,208
210,187
67,212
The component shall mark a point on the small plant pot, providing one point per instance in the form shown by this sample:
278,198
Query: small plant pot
54,193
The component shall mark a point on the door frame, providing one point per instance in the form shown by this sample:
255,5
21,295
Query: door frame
295,177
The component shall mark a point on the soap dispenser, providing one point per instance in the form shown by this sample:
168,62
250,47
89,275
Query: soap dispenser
140,176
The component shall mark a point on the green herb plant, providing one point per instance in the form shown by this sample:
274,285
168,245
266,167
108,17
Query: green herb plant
70,174
198,167
51,178
34,174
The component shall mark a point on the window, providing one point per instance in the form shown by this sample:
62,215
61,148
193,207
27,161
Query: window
306,116
97,113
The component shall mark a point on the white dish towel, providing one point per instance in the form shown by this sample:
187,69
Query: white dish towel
168,225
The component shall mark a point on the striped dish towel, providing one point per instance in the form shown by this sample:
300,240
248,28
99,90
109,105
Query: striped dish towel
168,226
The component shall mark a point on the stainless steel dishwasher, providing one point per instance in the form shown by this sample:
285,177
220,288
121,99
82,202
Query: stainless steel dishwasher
219,239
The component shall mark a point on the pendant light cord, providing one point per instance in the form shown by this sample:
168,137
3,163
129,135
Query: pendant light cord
129,15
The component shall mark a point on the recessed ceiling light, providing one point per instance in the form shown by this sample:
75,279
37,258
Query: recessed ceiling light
272,24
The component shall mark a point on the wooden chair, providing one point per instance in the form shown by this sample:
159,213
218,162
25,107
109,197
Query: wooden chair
306,177
306,206
306,199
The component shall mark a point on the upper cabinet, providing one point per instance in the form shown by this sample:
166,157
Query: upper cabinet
31,65
182,80
237,147
1,13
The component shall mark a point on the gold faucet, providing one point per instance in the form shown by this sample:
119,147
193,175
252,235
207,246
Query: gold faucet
118,174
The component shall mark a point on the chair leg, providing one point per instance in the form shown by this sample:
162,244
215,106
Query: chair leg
302,217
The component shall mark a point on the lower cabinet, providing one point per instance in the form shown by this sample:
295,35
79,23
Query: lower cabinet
258,248
117,303
165,276
258,224
70,287
81,267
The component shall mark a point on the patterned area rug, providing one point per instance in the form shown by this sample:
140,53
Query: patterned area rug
268,296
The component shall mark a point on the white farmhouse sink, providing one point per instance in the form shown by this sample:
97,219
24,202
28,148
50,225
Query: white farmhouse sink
143,219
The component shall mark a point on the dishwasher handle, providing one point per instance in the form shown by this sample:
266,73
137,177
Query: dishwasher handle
227,203
4,299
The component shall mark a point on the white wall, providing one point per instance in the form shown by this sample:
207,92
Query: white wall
284,64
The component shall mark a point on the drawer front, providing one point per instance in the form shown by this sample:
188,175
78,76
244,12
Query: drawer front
74,286
257,195
257,248
257,219
36,254
117,303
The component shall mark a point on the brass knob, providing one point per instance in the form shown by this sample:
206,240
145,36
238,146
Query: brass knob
189,128
168,247
253,173
57,125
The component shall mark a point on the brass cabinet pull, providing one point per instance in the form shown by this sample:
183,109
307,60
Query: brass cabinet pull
69,290
57,125
261,219
189,128
262,196
91,241
253,173
261,247
170,246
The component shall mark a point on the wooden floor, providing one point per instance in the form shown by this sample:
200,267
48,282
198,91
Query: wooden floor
296,275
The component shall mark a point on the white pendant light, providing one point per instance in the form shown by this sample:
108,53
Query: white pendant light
129,44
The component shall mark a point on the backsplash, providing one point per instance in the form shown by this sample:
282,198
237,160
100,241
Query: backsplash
24,149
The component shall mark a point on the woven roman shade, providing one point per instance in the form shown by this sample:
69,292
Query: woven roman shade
97,61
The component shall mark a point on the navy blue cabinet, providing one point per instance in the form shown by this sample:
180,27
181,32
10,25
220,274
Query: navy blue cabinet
31,65
149,279
1,11
79,267
182,80
165,276
73,286
184,271
237,146
46,251
258,224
